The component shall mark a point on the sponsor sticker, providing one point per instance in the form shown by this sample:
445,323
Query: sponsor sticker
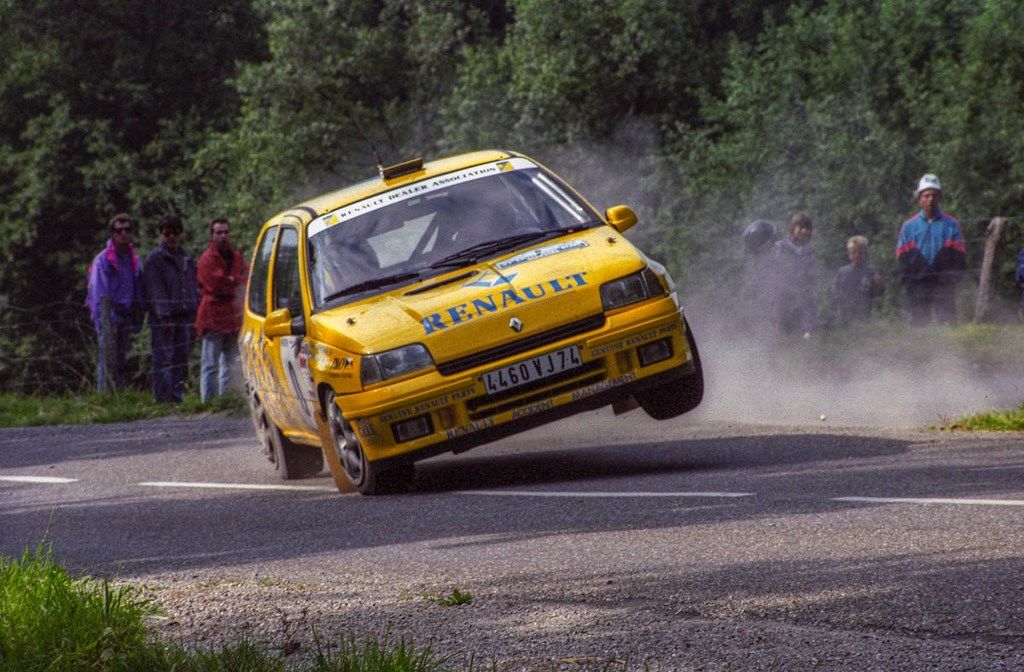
542,252
415,189
634,340
499,301
429,405
456,432
533,409
598,388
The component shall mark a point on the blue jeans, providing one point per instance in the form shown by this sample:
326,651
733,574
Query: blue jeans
120,343
220,354
172,341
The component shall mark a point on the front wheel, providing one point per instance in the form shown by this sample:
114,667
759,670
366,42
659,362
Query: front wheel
291,460
676,397
365,476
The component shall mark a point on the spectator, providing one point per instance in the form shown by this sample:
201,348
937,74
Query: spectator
114,276
931,257
222,273
855,284
756,290
169,279
794,275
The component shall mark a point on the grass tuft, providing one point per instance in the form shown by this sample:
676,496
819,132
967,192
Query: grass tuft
51,621
376,655
455,599
1009,421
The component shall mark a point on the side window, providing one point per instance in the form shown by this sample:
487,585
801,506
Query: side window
286,269
258,276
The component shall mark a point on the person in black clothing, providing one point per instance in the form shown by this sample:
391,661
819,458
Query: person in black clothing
855,285
169,282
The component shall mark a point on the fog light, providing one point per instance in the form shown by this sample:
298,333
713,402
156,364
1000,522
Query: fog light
625,360
447,417
413,428
654,352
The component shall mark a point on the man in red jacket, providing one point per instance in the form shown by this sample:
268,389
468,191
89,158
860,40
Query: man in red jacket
222,274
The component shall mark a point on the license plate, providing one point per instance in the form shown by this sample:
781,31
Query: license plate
530,370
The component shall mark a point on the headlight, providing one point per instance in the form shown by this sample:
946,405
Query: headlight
394,363
630,289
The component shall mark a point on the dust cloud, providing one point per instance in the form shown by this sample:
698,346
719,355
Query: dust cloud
834,384
882,375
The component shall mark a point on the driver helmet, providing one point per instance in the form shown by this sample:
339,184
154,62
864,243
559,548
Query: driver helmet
757,235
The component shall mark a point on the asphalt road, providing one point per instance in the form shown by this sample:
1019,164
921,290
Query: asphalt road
671,546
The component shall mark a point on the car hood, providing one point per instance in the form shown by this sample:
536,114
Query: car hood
522,293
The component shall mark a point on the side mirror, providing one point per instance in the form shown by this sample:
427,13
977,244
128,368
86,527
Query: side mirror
620,217
281,323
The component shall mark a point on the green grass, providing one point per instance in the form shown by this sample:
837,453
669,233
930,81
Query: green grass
457,598
52,622
27,411
1008,421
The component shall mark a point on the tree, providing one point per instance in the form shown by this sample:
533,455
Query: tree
100,104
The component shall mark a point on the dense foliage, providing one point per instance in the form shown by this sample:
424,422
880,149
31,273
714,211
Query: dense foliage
702,115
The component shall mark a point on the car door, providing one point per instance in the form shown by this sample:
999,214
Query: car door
253,344
292,351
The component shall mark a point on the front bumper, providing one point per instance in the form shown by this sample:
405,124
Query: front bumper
433,413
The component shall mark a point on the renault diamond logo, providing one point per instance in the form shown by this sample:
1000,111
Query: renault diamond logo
516,324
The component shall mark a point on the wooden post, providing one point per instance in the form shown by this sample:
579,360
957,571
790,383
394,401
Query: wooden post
106,384
993,233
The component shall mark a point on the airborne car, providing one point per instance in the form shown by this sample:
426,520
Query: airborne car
444,305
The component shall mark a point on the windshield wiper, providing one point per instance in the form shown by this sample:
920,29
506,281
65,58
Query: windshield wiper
471,254
373,283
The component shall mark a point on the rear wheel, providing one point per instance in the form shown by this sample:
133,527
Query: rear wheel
367,477
291,460
676,397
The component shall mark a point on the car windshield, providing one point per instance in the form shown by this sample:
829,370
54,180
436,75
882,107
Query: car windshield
433,225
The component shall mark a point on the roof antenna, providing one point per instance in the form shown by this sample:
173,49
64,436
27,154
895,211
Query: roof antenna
376,155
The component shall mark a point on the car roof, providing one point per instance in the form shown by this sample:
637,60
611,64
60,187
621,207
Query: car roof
333,200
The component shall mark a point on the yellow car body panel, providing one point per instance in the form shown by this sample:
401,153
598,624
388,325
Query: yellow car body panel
516,337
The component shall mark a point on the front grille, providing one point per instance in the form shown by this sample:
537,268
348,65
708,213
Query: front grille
522,345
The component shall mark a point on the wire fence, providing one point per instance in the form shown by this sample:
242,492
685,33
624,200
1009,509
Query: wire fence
52,347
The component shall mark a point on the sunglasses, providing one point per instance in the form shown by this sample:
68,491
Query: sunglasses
122,229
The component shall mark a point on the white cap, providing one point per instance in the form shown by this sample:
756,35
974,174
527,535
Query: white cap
928,181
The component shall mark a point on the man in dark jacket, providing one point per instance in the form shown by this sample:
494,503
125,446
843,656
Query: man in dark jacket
169,280
931,257
222,275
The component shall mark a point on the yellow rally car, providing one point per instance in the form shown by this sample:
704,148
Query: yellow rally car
444,305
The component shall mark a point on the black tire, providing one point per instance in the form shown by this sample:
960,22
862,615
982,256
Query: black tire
291,460
260,424
294,460
679,396
365,476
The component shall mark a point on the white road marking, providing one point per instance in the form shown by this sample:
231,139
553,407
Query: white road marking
932,500
569,494
236,486
37,479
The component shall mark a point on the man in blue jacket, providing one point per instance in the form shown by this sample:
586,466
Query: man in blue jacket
931,257
115,301
169,280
